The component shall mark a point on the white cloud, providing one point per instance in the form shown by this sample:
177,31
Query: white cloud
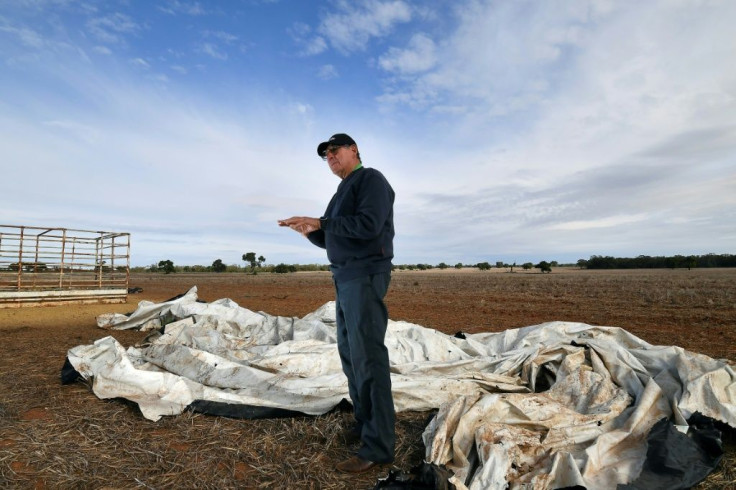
221,35
563,87
629,93
502,58
102,50
112,28
212,50
419,56
357,23
140,62
310,44
211,45
303,109
314,46
327,72
159,77
75,129
174,7
606,222
27,36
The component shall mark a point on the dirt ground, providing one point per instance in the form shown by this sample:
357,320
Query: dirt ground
54,436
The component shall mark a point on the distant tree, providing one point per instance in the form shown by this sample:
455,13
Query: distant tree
512,266
218,266
691,262
554,263
459,265
33,267
166,266
250,257
283,268
582,263
484,266
442,265
544,266
499,264
527,266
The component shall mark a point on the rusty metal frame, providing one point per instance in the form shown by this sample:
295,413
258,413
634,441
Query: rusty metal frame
42,265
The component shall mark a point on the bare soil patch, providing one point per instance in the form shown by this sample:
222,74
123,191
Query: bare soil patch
54,436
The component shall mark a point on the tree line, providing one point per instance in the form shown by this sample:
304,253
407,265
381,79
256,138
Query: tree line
258,264
253,267
658,262
255,264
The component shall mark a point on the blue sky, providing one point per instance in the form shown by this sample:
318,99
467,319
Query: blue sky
510,130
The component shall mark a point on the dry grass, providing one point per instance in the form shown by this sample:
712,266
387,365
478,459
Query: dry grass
54,436
98,444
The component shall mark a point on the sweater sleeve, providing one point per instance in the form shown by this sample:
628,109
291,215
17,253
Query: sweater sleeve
373,204
317,237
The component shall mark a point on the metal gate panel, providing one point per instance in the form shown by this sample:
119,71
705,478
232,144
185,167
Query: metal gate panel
59,265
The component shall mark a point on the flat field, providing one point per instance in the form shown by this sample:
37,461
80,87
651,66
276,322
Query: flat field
54,436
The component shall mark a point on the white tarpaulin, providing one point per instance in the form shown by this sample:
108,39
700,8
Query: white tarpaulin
551,405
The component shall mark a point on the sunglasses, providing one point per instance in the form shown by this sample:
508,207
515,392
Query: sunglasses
332,150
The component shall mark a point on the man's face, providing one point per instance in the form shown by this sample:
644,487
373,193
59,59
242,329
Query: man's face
342,159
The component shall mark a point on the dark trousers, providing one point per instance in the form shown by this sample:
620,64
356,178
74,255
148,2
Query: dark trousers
362,318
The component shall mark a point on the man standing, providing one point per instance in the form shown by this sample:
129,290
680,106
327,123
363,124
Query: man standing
357,230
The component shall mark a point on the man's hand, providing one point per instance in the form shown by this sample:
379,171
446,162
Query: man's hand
302,224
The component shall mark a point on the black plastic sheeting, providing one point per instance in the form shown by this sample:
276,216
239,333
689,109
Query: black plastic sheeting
69,375
425,476
252,412
676,460
237,411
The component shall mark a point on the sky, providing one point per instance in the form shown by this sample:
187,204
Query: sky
510,131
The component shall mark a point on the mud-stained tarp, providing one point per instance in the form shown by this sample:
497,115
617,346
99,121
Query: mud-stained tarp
551,405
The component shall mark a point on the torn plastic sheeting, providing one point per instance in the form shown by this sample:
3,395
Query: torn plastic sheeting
679,461
148,314
604,389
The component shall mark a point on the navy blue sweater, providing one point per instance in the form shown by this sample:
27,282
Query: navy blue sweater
357,228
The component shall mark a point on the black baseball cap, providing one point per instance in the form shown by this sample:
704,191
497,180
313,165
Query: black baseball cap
339,139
